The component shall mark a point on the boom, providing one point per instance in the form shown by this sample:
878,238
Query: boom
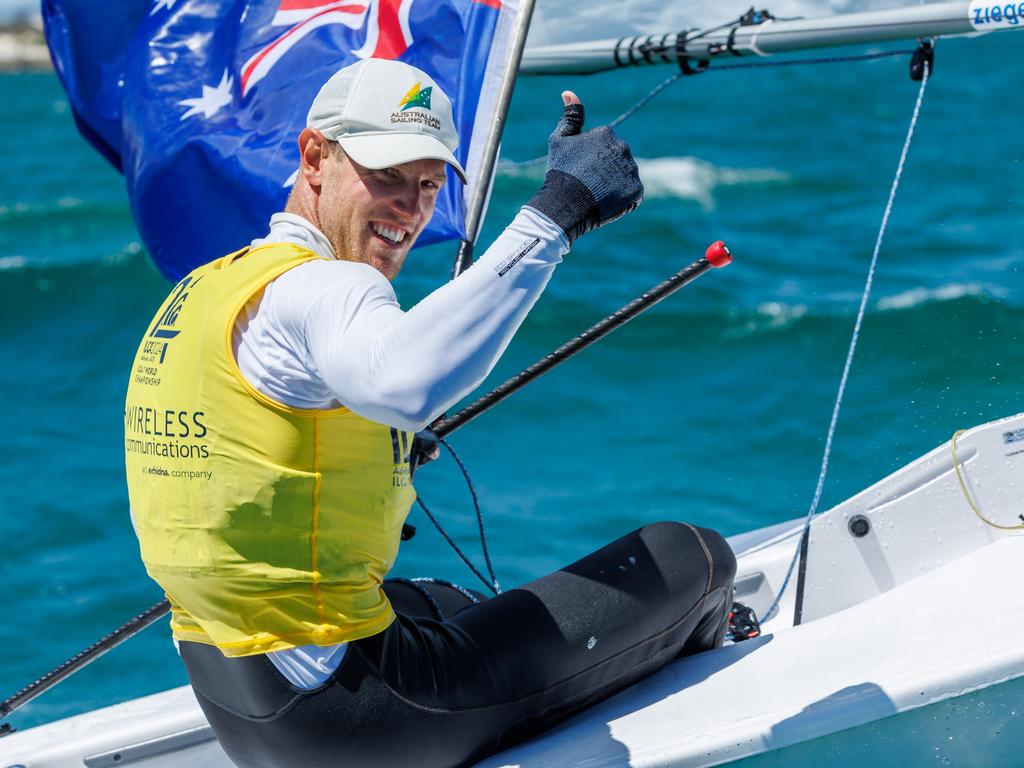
775,36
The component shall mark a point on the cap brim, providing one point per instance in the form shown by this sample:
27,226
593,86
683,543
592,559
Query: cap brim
383,150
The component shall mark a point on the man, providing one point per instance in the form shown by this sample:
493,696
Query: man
269,419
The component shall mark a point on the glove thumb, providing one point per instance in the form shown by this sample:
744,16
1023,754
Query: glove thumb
572,120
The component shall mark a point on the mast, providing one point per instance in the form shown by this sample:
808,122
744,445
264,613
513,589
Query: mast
770,36
481,192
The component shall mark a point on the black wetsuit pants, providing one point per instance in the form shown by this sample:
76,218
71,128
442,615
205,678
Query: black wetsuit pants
428,693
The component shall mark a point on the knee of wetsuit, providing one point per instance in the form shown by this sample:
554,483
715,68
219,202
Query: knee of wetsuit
722,556
722,559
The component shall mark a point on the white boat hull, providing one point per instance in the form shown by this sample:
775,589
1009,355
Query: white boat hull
909,652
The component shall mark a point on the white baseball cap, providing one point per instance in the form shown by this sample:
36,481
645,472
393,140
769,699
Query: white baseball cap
384,113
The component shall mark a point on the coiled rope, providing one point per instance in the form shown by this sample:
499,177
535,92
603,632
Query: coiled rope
967,495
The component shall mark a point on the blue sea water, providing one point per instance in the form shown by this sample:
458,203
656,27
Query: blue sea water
712,407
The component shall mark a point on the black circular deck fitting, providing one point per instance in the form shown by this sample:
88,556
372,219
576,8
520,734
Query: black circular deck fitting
859,526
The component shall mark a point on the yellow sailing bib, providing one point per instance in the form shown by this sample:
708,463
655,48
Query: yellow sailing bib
267,526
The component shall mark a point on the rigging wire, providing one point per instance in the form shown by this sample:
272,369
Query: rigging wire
773,609
654,92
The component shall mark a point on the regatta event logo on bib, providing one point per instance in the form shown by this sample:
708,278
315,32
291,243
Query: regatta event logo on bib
416,98
154,350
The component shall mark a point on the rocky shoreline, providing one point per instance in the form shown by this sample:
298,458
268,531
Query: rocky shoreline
22,48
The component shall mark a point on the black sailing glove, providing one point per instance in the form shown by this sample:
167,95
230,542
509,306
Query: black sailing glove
592,178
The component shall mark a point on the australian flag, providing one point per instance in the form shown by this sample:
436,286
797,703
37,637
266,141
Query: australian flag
199,103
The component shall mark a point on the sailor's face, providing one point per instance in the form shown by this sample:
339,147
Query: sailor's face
374,216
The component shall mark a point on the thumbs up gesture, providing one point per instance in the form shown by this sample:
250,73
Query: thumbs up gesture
592,178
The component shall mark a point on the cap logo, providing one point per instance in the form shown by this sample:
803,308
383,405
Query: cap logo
416,98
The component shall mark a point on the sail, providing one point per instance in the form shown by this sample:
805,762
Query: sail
199,102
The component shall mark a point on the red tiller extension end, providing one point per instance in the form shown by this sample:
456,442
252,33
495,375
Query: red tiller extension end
718,255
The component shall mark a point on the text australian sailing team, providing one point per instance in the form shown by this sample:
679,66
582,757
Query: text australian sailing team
311,381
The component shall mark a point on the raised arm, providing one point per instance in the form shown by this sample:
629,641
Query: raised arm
406,368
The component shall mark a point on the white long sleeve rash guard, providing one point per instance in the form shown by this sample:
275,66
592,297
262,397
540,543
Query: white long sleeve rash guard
330,331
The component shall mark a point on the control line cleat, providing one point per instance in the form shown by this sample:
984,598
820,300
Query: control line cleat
743,624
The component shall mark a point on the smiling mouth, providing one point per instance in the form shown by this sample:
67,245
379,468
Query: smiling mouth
390,235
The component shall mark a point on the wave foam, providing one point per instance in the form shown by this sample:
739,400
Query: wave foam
770,316
687,178
12,262
691,178
917,296
17,210
19,263
776,315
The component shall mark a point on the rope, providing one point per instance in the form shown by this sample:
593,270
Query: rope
435,607
454,546
417,584
644,101
853,346
639,105
967,495
479,515
491,584
451,585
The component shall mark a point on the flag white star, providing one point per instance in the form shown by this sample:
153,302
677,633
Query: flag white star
212,101
168,4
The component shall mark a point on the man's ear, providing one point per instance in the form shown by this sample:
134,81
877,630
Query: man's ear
312,150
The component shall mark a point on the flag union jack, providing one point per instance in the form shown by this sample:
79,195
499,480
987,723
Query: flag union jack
388,35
